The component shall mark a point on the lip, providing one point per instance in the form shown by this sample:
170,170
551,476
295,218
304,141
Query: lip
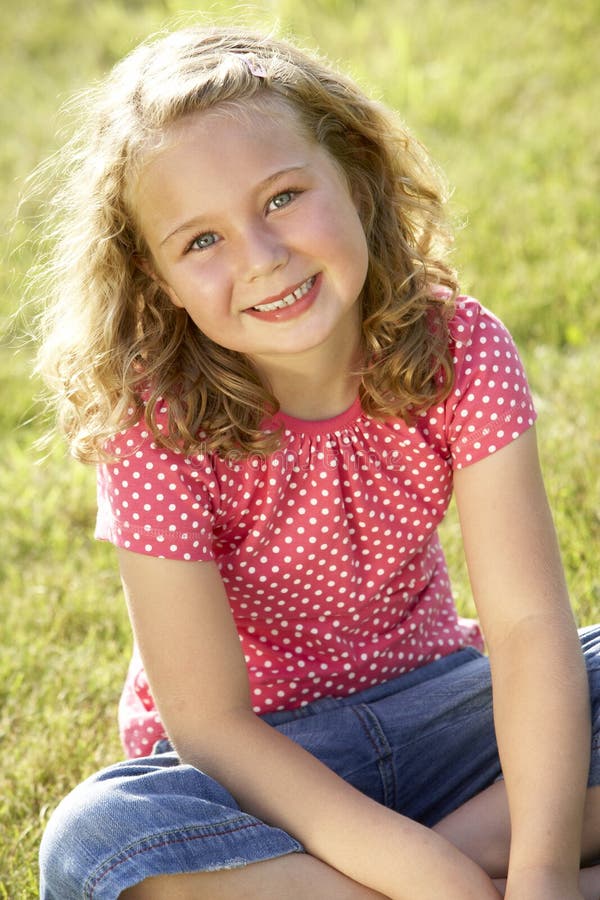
292,311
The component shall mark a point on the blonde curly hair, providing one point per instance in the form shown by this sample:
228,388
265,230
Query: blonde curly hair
113,344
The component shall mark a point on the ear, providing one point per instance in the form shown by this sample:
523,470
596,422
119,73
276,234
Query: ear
148,269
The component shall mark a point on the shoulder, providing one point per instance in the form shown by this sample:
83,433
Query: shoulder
472,321
490,403
153,499
481,343
145,437
136,453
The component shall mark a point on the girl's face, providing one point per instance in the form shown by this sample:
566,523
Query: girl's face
253,230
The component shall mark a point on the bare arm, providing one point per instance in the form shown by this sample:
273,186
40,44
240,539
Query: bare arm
191,651
541,701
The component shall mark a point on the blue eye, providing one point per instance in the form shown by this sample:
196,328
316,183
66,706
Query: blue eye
203,241
280,200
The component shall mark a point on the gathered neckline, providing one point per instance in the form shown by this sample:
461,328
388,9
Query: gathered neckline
315,427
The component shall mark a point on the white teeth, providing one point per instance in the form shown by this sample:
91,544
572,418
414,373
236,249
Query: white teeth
288,299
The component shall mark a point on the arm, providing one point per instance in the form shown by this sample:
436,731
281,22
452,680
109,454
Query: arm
189,644
541,704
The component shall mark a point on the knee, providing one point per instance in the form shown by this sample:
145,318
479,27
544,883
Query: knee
91,836
83,833
67,848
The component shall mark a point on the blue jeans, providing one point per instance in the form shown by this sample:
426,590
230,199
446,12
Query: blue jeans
422,744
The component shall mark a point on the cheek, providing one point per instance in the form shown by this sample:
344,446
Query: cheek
173,296
201,292
207,301
340,235
354,249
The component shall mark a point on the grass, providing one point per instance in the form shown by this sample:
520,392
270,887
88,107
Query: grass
504,95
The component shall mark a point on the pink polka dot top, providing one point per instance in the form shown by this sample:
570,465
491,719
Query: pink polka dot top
328,548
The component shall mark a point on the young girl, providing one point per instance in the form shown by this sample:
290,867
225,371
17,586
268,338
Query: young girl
258,338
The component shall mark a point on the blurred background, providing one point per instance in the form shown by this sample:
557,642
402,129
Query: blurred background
505,93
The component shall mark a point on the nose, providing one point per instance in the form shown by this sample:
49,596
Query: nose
261,251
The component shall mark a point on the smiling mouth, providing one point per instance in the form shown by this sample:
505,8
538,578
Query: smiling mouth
289,299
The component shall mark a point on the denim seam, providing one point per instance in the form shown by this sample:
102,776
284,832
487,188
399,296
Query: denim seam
378,740
94,880
358,712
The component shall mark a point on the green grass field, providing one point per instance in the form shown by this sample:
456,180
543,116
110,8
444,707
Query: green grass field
506,96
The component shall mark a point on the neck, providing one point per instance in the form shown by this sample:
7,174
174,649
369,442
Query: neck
314,385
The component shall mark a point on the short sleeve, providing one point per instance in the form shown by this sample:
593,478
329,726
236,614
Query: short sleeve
491,402
156,501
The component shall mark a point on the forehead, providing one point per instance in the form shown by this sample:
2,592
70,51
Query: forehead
209,158
248,121
204,127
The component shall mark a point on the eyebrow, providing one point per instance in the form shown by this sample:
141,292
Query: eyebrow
198,220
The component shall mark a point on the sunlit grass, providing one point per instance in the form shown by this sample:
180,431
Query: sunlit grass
505,95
